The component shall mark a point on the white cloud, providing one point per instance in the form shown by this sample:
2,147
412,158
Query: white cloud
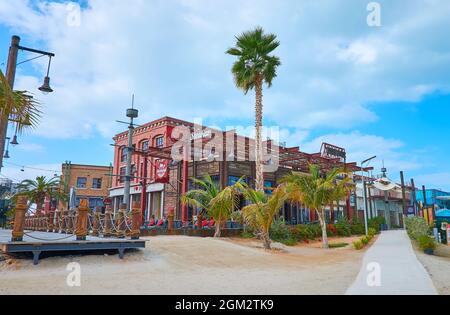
171,54
435,180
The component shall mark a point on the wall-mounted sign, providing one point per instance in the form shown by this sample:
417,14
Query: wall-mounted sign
162,171
204,134
330,151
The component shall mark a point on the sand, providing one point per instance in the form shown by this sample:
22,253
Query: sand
177,265
437,267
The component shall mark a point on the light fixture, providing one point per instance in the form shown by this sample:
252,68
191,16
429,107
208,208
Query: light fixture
14,141
45,88
7,155
7,148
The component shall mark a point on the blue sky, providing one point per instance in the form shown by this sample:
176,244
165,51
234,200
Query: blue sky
381,91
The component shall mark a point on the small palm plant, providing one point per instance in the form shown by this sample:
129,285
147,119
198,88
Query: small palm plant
37,190
316,192
260,214
209,199
254,67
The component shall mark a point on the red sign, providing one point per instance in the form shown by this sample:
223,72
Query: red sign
162,171
107,201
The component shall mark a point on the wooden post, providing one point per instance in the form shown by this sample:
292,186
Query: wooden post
120,221
108,222
21,209
57,221
96,222
51,219
81,230
170,218
64,221
136,218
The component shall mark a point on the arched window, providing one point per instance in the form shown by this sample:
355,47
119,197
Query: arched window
159,141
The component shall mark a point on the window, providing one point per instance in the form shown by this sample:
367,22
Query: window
145,146
160,142
123,172
97,183
123,155
81,182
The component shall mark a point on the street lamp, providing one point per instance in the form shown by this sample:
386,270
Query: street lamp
6,156
366,223
10,77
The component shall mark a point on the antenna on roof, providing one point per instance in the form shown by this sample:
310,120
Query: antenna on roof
132,101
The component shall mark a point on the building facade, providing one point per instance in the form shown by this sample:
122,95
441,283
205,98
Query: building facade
155,143
88,182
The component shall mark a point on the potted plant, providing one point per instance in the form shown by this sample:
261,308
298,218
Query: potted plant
427,244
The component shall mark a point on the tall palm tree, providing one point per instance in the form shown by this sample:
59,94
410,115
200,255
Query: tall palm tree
261,212
316,192
218,204
17,106
37,190
254,67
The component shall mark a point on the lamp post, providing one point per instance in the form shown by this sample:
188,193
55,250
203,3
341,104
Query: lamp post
10,77
366,223
132,114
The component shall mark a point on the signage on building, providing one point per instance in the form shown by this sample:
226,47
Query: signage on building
162,171
204,134
107,201
330,151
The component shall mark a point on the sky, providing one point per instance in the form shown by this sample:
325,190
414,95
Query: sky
381,91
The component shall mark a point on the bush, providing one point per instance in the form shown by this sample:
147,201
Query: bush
305,232
331,230
376,223
280,231
417,227
358,245
343,227
365,240
357,227
427,243
372,232
247,234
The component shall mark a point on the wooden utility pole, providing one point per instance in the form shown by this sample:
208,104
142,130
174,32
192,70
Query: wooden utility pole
405,209
10,77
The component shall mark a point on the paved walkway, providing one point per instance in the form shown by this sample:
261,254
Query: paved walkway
390,267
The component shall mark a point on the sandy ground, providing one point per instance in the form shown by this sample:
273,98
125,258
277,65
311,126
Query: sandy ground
193,266
437,267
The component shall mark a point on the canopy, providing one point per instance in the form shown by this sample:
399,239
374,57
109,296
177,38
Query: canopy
385,184
444,213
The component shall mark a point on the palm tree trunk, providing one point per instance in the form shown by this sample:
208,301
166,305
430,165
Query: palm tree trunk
266,241
259,183
218,231
323,225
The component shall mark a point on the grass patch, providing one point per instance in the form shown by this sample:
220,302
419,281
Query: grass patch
338,245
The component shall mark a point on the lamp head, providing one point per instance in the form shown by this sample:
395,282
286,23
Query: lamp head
14,141
45,88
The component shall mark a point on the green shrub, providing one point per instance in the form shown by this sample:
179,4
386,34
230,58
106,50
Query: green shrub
358,245
357,227
427,243
289,242
343,227
247,234
338,245
280,231
372,232
304,232
365,240
417,227
375,223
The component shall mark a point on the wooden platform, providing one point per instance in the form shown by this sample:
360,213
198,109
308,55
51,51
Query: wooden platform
39,242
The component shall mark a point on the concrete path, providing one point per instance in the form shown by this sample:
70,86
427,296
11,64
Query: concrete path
390,267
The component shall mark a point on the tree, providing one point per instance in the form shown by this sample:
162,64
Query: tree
260,214
254,67
37,190
316,191
218,204
17,106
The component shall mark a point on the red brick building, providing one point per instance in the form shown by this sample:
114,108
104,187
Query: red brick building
153,143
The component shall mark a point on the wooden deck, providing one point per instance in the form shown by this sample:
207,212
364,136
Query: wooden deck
39,242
